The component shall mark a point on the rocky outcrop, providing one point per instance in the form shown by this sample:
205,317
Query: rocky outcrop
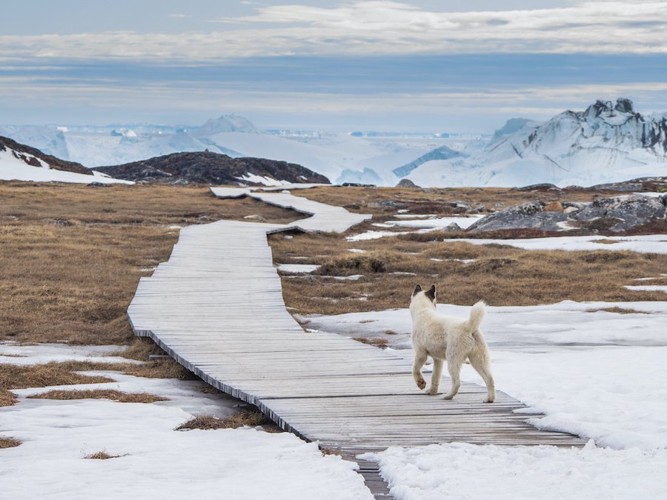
615,215
212,168
406,183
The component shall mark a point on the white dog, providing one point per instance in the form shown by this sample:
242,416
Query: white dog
447,339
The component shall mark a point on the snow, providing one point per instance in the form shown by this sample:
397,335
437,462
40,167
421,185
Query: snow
653,243
591,372
13,168
373,235
647,288
297,268
583,148
436,222
465,471
155,461
262,179
12,354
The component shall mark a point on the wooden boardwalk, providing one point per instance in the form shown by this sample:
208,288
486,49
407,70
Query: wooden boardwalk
216,306
322,217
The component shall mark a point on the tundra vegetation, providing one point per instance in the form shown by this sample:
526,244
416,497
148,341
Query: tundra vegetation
72,257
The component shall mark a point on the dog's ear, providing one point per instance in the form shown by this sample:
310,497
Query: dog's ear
418,289
430,293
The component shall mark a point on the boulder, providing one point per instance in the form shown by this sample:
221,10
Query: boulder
609,214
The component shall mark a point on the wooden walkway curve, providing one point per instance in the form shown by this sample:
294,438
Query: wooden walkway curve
216,306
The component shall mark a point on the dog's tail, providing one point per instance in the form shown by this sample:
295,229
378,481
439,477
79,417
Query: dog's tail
476,316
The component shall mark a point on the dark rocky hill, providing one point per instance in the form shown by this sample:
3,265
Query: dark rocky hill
211,168
31,156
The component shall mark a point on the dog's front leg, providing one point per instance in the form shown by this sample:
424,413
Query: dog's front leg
420,359
435,377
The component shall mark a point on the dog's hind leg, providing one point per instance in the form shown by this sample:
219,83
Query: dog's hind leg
454,368
480,362
420,359
435,377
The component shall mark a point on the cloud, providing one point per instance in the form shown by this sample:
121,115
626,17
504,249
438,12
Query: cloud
366,28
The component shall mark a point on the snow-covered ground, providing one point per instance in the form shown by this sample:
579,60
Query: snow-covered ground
652,243
591,372
596,373
153,460
593,369
13,168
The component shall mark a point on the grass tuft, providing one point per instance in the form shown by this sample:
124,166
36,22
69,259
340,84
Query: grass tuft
618,310
24,377
7,398
380,342
245,418
353,264
113,395
6,442
101,455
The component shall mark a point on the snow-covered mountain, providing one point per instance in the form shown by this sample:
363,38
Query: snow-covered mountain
605,143
24,163
341,157
608,142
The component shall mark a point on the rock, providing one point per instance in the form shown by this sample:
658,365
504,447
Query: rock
538,187
630,212
32,156
608,214
406,183
459,204
529,215
212,168
554,206
624,105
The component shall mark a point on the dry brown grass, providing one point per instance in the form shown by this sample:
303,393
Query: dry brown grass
6,442
245,418
118,396
7,398
76,253
380,342
23,377
617,310
65,373
72,255
101,455
500,274
382,202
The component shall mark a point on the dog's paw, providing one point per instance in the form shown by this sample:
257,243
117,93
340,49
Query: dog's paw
488,400
421,383
432,391
449,397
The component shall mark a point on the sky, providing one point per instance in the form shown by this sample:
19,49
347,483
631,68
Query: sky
410,65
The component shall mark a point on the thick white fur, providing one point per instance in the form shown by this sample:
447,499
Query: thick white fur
448,339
